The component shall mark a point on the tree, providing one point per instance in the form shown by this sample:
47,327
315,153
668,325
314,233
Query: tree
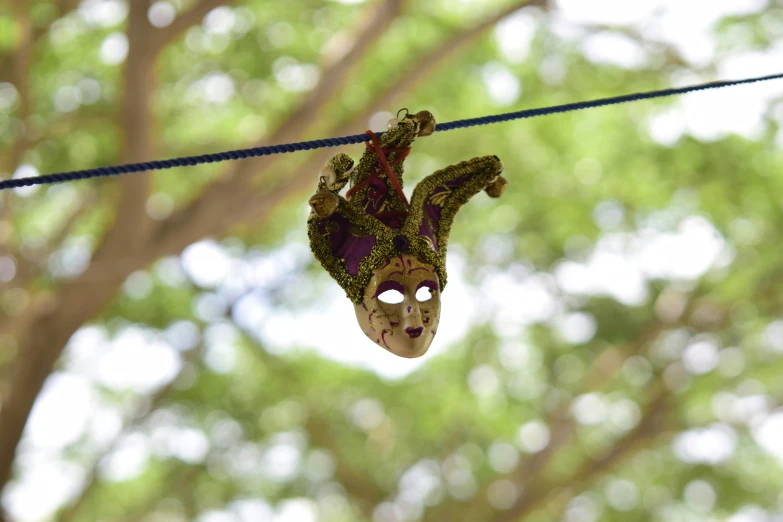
95,86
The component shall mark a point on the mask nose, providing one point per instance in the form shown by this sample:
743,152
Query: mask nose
411,313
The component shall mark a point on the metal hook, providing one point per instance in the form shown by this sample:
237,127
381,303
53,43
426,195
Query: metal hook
399,111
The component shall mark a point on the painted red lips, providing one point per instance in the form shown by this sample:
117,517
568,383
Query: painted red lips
414,332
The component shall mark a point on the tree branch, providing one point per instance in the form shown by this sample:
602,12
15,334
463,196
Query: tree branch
52,324
36,262
132,225
63,8
144,408
361,488
651,424
562,426
670,53
423,68
214,210
364,490
20,76
131,222
164,36
230,208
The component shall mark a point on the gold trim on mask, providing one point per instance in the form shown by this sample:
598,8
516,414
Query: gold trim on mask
482,171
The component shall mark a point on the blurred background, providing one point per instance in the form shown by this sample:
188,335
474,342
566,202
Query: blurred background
611,345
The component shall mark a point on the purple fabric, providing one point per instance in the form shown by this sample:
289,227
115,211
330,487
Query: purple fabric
431,221
392,221
352,248
344,243
376,195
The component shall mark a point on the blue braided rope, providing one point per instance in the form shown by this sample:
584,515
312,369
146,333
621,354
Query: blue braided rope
359,138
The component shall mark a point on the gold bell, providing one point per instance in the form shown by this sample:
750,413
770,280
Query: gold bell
324,203
425,122
496,188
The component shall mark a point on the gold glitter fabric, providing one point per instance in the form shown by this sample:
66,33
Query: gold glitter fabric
375,223
340,165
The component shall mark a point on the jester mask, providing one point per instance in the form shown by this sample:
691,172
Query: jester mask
389,254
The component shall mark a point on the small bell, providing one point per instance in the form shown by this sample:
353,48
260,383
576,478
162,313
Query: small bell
496,188
425,122
324,203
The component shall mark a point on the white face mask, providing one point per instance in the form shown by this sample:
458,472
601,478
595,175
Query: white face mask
401,307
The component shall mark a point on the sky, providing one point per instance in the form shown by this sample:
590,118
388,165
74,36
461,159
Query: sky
619,266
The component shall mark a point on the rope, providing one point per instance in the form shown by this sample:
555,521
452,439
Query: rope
383,164
359,138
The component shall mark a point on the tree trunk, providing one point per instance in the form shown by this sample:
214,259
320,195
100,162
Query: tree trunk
83,298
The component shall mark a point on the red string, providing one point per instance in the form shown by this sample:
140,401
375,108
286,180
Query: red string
385,165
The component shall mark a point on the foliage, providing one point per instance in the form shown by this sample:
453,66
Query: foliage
623,353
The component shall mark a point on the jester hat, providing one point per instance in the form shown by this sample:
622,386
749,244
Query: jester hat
356,236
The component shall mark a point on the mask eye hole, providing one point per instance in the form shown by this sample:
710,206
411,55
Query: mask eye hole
390,297
423,294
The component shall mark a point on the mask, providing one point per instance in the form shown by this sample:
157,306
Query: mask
388,253
401,306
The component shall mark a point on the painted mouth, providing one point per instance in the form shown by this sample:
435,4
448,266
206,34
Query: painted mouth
414,332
